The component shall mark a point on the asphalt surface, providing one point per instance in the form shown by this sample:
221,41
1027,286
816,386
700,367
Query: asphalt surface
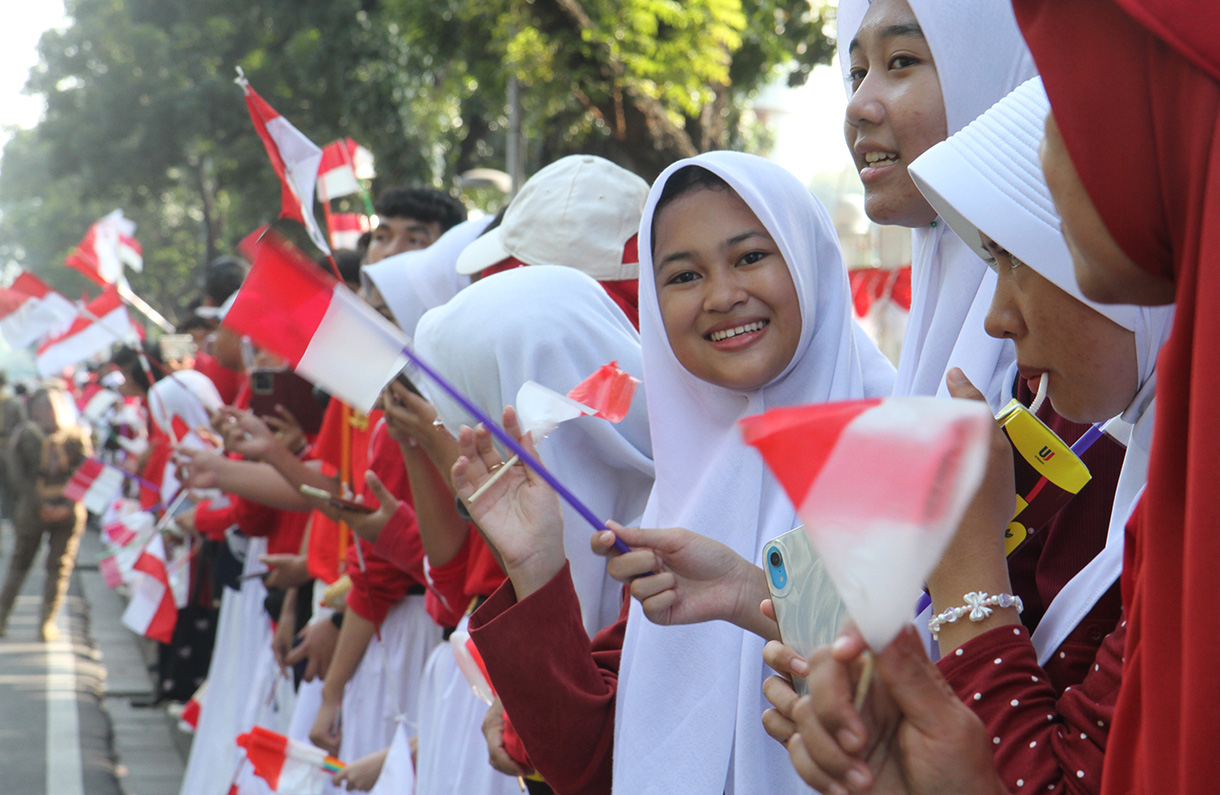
77,714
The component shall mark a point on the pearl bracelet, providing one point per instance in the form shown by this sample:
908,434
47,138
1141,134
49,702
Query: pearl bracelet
977,608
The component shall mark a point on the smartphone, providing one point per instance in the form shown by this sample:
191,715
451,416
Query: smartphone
271,388
807,605
336,502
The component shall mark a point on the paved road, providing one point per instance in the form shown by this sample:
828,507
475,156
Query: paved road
74,713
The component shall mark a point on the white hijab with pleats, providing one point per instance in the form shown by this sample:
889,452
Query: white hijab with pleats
988,178
555,326
690,697
980,57
415,281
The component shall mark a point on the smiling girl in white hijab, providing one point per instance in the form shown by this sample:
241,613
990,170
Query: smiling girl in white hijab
554,326
979,57
988,178
689,697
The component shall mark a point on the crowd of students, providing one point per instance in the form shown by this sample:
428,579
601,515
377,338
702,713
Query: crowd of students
1054,162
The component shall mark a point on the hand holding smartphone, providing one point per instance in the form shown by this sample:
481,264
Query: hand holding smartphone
334,501
807,605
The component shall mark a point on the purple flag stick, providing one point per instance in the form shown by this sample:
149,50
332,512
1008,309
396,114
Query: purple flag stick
512,444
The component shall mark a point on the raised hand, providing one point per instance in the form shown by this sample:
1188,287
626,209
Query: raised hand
681,577
519,513
912,736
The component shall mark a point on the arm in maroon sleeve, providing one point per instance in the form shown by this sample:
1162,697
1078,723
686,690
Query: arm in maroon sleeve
557,687
1043,742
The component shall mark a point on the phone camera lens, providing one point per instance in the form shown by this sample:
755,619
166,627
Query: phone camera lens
775,558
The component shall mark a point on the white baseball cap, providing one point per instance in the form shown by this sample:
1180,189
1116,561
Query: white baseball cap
578,212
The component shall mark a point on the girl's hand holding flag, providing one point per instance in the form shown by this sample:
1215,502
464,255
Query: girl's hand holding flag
519,514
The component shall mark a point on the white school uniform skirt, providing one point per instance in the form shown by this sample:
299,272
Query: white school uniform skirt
375,696
452,757
244,686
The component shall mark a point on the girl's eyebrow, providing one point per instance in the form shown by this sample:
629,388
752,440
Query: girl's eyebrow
891,32
732,241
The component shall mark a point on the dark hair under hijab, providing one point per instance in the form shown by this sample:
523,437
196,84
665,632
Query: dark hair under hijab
681,182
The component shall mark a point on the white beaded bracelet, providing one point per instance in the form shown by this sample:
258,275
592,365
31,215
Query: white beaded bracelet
977,608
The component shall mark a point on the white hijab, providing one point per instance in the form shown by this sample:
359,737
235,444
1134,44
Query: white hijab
988,177
188,395
415,281
690,697
980,57
555,326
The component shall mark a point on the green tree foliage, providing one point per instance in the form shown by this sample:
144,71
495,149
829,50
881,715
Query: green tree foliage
142,112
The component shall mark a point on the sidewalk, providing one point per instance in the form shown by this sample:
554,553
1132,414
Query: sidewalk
149,749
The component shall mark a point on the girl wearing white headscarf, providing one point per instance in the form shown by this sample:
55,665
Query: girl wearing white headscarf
413,282
980,57
554,326
988,178
689,697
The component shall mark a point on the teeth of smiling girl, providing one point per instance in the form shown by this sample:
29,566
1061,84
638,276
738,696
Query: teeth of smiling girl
717,336
877,157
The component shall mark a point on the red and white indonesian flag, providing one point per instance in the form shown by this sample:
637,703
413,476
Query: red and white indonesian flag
606,394
344,164
346,229
189,720
880,486
151,611
103,322
109,244
293,308
287,765
94,484
294,157
30,309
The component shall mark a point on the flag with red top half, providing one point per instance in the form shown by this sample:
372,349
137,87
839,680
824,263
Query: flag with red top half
294,157
346,229
344,163
606,394
287,765
294,309
94,484
151,611
103,322
109,244
121,532
880,486
30,310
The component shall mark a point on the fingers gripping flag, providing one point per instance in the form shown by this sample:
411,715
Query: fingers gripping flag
881,486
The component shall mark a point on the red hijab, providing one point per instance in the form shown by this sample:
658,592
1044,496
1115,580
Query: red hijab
1135,91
